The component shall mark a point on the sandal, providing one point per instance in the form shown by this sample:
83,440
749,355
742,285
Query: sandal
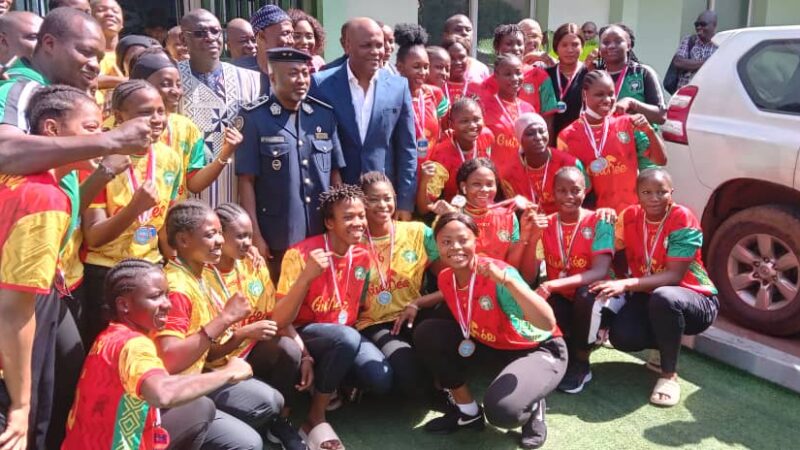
667,392
322,437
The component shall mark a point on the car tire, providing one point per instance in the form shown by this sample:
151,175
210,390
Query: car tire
753,260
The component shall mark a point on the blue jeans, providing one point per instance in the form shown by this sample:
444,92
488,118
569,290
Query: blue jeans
341,352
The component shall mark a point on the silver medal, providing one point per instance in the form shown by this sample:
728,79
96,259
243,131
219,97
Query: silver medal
384,297
343,317
466,348
459,201
598,165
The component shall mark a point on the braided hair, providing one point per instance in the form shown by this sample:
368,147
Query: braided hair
373,177
593,77
504,30
228,213
54,102
185,216
506,58
125,90
122,279
336,194
407,36
631,38
471,165
446,218
462,104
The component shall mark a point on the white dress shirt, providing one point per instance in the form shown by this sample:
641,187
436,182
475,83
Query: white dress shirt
362,101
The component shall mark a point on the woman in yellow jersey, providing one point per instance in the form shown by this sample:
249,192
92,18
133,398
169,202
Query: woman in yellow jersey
181,134
282,360
400,253
202,322
125,219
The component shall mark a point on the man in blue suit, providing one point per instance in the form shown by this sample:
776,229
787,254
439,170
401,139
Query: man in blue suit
374,113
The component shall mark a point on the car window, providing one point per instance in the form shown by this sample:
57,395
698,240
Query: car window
771,75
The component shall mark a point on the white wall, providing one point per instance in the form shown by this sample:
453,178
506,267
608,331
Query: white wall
578,11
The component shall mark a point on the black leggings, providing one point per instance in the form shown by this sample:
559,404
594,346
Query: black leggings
659,320
528,376
277,363
408,377
573,317
93,320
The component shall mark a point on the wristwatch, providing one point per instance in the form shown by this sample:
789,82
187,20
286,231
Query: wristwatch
107,173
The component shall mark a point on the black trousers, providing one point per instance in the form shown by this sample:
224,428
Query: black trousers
528,375
406,366
277,363
95,318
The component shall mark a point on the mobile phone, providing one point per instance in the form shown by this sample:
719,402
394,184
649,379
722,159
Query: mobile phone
599,64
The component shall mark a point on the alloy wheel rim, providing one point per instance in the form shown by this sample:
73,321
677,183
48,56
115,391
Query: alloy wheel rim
764,272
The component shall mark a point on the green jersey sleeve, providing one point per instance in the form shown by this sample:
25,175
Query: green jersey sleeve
513,311
430,244
603,237
547,97
684,243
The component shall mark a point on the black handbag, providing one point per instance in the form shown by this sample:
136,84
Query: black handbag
673,73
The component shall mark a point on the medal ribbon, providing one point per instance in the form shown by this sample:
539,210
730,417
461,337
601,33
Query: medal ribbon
620,80
505,111
461,152
598,151
563,92
566,252
461,323
213,298
649,250
528,178
419,124
336,291
133,181
385,281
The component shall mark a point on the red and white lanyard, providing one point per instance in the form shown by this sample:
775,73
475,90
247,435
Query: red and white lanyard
620,80
465,324
598,150
385,280
565,251
474,154
133,181
332,266
528,177
505,111
563,91
650,250
419,122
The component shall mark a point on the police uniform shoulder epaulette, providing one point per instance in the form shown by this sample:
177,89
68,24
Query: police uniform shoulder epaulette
255,103
318,101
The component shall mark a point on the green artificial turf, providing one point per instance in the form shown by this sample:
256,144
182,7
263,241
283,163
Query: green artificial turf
721,407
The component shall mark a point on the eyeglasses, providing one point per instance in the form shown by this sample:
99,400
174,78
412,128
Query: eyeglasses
213,32
699,24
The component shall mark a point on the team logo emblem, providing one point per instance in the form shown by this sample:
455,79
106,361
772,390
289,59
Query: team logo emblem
169,177
486,303
587,233
276,164
527,87
238,122
635,86
275,109
255,288
623,137
504,236
361,273
410,256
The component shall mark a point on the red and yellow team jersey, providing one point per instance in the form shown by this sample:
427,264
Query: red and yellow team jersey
615,185
321,304
256,285
499,228
36,215
537,90
517,178
449,158
109,411
108,66
497,319
194,304
139,240
186,139
499,116
414,249
71,261
593,237
429,107
681,239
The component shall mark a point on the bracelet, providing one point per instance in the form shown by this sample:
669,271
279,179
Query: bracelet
412,305
107,173
307,358
224,162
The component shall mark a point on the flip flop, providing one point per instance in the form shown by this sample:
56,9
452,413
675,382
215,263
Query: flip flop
666,393
322,437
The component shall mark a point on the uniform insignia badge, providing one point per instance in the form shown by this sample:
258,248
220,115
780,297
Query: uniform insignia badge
504,236
273,139
321,136
238,122
361,273
276,164
485,302
623,137
307,108
275,109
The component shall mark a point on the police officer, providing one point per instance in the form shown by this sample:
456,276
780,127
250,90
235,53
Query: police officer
290,154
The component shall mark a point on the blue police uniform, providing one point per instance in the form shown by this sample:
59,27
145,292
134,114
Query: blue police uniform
291,155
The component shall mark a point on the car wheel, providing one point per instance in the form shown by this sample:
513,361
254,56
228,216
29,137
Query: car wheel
753,259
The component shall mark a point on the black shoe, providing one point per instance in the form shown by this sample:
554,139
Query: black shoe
283,433
441,400
455,420
578,374
534,432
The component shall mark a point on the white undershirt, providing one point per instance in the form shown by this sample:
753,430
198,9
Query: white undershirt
362,101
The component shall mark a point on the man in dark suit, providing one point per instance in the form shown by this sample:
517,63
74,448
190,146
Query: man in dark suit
374,113
343,41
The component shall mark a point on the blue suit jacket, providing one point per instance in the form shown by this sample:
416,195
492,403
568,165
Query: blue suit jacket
390,145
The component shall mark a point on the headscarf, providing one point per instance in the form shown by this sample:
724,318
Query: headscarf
132,40
150,63
524,121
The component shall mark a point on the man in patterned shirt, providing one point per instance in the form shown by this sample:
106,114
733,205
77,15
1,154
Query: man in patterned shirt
697,48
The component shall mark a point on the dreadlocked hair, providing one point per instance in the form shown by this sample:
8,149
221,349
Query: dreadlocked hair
121,280
471,165
338,193
408,35
228,213
631,38
125,90
462,104
593,77
185,216
54,102
502,31
371,178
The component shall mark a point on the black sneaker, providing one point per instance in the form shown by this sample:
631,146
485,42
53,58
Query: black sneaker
578,374
282,432
455,420
534,432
